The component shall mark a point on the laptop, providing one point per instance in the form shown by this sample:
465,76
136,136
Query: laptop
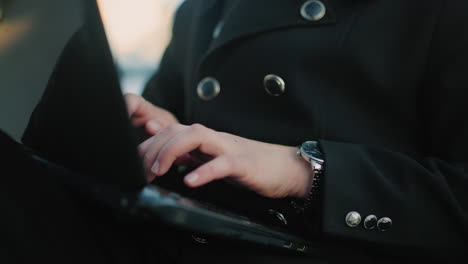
81,127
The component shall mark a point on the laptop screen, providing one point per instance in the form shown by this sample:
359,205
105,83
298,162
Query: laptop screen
81,121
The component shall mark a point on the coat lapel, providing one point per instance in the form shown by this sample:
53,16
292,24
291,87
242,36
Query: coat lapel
206,15
251,17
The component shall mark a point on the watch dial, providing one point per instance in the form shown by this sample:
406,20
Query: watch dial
311,149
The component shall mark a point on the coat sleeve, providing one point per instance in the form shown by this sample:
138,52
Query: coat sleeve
165,87
426,196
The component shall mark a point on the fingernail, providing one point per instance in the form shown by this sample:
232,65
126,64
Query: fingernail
155,167
153,125
191,178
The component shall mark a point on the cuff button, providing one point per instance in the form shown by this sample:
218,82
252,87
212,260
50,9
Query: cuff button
384,224
370,222
353,219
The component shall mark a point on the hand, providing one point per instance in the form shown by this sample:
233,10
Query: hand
273,171
143,113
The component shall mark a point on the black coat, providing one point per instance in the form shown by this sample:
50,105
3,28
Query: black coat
381,84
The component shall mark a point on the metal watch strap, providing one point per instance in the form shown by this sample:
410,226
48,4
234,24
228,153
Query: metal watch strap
301,205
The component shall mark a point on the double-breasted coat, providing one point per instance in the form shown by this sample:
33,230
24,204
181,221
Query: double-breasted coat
382,85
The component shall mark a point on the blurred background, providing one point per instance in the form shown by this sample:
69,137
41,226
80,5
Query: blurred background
33,33
139,31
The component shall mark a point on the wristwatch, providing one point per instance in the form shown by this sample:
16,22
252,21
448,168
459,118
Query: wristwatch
311,152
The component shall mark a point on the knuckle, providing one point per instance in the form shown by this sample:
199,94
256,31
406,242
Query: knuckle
168,118
166,121
197,127
172,128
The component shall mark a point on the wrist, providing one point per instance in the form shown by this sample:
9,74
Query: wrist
302,173
310,153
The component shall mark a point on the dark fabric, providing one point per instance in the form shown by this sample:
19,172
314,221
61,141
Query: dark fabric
381,84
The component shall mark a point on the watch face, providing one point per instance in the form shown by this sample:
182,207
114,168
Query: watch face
311,150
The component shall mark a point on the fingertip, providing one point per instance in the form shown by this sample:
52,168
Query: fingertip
155,168
192,179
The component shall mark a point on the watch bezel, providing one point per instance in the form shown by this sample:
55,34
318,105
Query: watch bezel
311,152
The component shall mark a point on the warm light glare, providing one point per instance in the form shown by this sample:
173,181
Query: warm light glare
138,28
138,32
14,29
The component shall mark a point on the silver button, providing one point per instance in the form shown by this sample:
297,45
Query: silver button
313,10
279,216
384,224
370,222
274,85
353,219
208,88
